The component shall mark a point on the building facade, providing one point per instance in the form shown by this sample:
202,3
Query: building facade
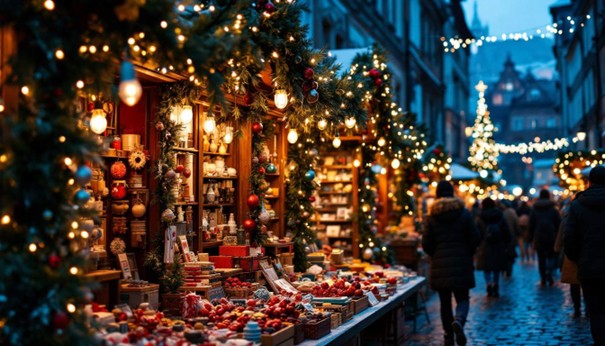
410,32
580,54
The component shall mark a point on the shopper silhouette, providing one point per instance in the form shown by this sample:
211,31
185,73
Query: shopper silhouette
544,223
492,255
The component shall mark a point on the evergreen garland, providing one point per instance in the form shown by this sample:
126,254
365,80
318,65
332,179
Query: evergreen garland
436,164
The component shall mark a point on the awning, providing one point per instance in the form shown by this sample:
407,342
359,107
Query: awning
460,172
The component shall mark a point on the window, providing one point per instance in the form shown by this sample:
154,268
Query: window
534,94
497,99
518,124
510,86
551,123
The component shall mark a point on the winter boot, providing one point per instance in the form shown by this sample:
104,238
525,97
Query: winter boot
490,291
459,333
495,291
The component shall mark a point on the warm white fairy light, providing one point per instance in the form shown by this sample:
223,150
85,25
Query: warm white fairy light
322,124
292,136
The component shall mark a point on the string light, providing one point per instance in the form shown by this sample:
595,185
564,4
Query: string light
322,124
209,124
98,121
280,98
186,114
130,90
336,141
49,5
350,122
292,136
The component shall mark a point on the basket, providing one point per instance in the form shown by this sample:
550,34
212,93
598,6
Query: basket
346,311
361,304
299,333
242,293
317,329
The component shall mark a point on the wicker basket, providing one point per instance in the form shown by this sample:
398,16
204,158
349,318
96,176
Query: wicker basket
299,333
361,304
317,329
242,293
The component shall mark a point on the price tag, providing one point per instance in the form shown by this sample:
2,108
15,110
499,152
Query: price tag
308,307
372,299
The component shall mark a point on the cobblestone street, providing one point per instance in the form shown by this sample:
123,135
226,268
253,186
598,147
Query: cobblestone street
525,314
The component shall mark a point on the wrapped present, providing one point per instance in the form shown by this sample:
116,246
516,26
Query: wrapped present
191,305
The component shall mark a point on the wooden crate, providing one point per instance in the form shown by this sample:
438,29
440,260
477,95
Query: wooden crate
134,296
317,330
360,304
283,337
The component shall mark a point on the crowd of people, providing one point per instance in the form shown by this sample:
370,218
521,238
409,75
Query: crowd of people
567,235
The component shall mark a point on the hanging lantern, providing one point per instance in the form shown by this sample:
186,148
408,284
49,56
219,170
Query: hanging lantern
280,98
130,89
395,163
350,122
228,138
292,136
322,124
186,115
98,121
209,124
336,141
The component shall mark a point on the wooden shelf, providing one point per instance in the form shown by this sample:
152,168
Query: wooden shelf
274,219
329,205
105,156
186,203
338,167
272,174
334,193
349,237
215,154
219,178
336,182
271,197
334,221
217,205
211,243
186,150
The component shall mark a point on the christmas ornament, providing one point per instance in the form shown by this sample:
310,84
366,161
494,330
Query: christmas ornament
261,170
96,234
255,160
54,261
248,99
257,127
187,172
249,225
378,82
118,189
269,7
271,168
437,151
47,215
311,199
253,201
159,126
168,215
83,175
180,168
118,170
117,246
298,59
137,159
262,158
313,96
309,73
82,196
313,152
170,174
60,320
367,254
264,216
310,174
374,73
263,229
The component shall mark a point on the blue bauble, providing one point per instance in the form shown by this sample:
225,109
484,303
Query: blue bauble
271,169
310,174
82,196
83,175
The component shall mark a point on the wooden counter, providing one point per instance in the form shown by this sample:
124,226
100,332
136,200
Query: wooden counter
109,290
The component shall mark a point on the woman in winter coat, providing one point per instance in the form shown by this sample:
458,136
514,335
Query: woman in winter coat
492,254
525,246
544,223
450,238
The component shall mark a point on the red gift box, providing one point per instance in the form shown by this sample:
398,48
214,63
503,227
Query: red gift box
234,250
222,261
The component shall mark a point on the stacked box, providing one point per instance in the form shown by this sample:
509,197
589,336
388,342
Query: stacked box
201,274
234,250
135,295
222,261
247,263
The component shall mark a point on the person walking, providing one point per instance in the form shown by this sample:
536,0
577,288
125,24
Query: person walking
544,222
450,239
492,254
512,221
525,247
584,241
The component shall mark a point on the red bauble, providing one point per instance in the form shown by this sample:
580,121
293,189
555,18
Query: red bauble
437,151
253,201
60,320
54,261
309,73
187,172
374,73
248,99
261,170
269,7
257,127
179,168
311,199
378,82
249,225
262,158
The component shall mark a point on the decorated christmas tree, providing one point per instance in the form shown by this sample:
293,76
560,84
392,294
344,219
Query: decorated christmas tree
483,151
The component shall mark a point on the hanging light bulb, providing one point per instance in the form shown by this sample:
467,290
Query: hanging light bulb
350,122
130,89
280,98
581,136
381,142
228,138
395,163
209,124
2,106
336,141
356,163
98,121
322,124
186,115
292,136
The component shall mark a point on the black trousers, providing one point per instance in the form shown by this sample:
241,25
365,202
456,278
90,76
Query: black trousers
462,306
576,296
594,294
546,263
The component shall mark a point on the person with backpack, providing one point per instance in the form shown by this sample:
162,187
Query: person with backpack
525,247
450,238
544,222
492,254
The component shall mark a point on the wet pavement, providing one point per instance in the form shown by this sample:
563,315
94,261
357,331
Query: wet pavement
524,314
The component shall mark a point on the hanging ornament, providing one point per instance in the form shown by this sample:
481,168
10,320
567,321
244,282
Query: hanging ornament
298,59
118,170
313,96
378,82
82,196
180,168
367,254
253,201
269,7
313,152
249,225
263,229
262,158
257,127
271,168
54,261
309,73
159,126
187,172
374,73
170,174
47,215
248,99
130,89
311,199
60,320
83,175
261,170
168,215
310,175
264,216
255,160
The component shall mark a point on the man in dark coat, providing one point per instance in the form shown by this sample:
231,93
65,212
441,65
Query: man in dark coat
585,244
544,222
450,238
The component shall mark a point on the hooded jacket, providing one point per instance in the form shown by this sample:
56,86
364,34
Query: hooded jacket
585,233
544,222
492,254
450,238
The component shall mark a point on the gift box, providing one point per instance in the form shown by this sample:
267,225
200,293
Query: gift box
222,261
190,305
234,250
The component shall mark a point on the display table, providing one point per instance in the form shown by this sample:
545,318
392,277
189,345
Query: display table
109,290
363,320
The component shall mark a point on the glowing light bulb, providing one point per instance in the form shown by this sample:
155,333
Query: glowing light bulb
186,115
5,220
581,135
336,141
49,5
350,122
483,174
381,142
98,121
209,124
356,163
292,136
280,98
71,308
322,124
73,270
2,107
395,163
130,90
228,138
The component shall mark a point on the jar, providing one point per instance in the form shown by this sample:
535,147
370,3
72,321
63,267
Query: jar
118,189
119,208
222,149
206,144
116,143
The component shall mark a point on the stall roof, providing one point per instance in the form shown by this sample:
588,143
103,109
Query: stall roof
460,172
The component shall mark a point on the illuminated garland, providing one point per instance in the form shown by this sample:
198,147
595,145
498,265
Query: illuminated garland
436,165
568,167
